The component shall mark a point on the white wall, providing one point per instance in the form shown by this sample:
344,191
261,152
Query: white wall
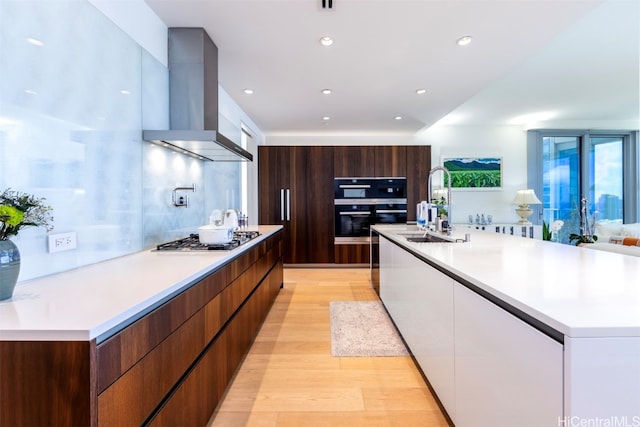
507,142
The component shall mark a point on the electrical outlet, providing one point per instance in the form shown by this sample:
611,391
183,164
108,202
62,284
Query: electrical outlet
62,242
181,201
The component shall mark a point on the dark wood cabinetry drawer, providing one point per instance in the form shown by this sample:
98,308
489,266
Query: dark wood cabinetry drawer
352,254
146,361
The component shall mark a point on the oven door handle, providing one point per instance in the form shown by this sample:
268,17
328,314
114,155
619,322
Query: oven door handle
355,186
391,211
360,213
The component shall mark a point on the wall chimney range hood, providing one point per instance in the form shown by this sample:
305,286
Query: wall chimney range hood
193,100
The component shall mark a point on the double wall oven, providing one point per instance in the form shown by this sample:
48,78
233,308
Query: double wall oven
360,202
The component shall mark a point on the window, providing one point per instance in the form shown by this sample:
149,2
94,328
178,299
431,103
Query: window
565,166
605,177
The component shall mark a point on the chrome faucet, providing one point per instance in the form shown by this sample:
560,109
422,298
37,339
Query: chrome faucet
429,195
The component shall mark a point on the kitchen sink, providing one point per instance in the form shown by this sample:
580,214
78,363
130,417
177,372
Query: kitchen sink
428,238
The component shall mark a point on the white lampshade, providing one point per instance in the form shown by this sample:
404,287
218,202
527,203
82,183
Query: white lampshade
525,197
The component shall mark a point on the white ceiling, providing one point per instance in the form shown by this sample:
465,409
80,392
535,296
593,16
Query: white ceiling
576,59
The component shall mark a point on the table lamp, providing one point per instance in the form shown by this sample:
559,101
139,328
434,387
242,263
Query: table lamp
523,199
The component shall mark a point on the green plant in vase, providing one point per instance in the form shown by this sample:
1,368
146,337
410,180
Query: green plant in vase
17,210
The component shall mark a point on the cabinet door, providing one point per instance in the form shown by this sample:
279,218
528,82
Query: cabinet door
507,373
419,298
273,181
354,161
391,161
418,167
296,190
312,208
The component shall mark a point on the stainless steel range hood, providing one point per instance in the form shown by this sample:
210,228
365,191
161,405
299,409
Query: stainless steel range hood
193,100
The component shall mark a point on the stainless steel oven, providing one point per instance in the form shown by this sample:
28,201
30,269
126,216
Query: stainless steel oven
390,211
391,188
360,202
353,188
353,218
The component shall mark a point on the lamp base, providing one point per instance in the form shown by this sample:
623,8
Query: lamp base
524,211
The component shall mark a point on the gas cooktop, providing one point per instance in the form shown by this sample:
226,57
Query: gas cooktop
192,243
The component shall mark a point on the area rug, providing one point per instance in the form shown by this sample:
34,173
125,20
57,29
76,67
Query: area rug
363,328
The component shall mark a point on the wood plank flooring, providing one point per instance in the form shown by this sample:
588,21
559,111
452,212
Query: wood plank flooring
289,377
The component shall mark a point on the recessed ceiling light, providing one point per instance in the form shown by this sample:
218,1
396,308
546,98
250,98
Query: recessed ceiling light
326,118
398,117
421,91
326,91
35,42
463,41
248,91
125,92
326,41
30,92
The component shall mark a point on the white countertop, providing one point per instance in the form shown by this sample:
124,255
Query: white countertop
84,303
579,292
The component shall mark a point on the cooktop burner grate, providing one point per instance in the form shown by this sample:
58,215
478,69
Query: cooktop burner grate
192,243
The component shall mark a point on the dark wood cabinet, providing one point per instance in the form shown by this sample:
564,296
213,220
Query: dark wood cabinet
170,367
295,189
350,161
390,160
418,167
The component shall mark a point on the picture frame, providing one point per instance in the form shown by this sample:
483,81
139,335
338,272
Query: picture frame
474,173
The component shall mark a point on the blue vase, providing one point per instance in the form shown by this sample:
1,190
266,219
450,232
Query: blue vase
9,268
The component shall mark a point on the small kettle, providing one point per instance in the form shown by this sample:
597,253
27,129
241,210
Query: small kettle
231,218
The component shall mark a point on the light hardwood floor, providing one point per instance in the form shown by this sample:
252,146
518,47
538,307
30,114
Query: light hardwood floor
289,377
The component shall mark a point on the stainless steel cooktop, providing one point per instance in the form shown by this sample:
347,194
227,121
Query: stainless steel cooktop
192,243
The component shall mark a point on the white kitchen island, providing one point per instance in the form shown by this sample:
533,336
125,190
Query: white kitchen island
518,332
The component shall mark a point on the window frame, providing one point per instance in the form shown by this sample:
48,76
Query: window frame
631,165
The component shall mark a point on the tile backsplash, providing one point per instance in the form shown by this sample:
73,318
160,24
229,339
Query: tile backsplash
75,94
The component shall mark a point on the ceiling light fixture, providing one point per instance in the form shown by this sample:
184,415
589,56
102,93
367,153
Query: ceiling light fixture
35,42
326,41
326,91
421,91
125,92
463,41
248,91
326,118
398,117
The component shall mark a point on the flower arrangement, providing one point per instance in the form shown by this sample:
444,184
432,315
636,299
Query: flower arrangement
551,230
18,210
587,226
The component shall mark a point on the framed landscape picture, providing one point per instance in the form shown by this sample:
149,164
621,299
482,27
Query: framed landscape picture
474,173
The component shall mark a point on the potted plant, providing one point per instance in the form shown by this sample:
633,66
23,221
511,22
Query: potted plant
550,231
17,210
441,204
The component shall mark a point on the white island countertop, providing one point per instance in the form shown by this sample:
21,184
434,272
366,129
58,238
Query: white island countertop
87,302
578,292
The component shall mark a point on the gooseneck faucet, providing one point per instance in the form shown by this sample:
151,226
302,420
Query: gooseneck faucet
429,195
